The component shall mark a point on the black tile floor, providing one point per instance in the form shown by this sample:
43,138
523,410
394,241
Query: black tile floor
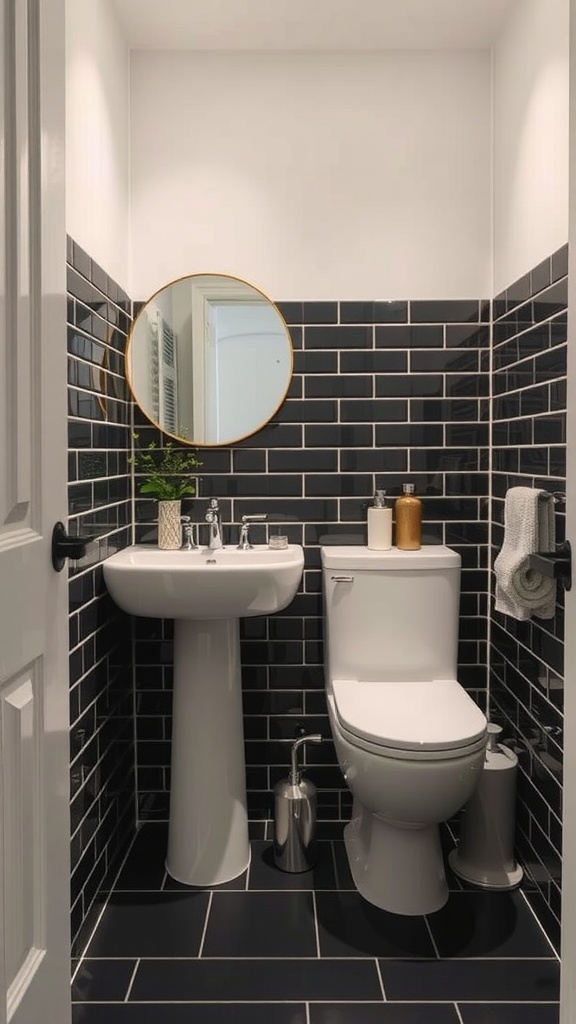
276,948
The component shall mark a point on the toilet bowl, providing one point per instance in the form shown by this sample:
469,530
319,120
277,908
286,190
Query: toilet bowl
409,740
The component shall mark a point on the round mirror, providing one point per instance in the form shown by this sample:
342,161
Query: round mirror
209,359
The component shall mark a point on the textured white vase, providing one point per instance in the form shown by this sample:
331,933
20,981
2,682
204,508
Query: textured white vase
169,526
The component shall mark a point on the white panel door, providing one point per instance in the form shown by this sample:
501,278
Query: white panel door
568,970
34,807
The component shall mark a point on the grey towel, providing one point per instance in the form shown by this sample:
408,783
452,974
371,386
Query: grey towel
528,527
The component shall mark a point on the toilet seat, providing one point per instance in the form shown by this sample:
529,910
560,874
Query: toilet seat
414,720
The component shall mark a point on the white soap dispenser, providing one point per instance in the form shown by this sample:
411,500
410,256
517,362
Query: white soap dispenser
379,524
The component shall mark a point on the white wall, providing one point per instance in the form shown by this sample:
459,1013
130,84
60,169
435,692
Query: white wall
320,175
314,176
97,135
530,138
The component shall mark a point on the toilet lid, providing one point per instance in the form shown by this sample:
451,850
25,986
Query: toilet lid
433,715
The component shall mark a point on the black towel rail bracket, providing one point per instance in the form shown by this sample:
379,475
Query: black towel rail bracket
555,564
64,547
557,497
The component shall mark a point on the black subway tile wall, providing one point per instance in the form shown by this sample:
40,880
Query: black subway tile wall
102,779
383,393
527,664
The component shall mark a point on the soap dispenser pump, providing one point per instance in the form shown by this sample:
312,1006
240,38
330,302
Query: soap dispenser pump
379,524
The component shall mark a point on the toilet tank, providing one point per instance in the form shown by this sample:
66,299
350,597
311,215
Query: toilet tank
390,615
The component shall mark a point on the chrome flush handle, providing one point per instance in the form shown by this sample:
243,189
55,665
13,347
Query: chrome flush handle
342,579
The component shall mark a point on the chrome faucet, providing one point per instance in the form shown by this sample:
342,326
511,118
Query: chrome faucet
213,519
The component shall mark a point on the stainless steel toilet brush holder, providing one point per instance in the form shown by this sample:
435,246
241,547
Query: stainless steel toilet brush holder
485,854
295,816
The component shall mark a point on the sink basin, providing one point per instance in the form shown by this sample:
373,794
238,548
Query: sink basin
204,584
206,593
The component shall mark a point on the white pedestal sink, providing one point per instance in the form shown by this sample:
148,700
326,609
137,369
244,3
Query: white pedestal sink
206,592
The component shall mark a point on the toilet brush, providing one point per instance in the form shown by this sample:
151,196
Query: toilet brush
295,816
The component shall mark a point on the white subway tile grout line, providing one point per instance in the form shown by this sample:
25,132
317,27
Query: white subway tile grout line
136,965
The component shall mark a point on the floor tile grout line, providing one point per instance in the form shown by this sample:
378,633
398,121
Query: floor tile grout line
307,1012
188,890
432,939
528,904
395,958
458,1014
492,1002
75,972
335,867
105,904
230,1002
316,932
236,1002
319,1002
136,965
205,928
380,979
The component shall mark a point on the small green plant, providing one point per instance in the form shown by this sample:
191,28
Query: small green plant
166,470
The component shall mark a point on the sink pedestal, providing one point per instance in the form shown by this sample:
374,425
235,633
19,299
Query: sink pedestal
208,831
206,593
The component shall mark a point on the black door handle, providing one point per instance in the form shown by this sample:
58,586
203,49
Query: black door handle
555,564
64,547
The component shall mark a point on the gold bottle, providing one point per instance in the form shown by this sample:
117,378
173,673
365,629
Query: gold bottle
408,515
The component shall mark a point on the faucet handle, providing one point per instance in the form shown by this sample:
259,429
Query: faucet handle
244,542
213,511
189,543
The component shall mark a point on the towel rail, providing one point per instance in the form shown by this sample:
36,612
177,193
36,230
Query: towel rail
558,497
555,564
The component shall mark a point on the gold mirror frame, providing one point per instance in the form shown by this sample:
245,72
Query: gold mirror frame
132,341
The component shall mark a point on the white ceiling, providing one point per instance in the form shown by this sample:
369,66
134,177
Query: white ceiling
311,24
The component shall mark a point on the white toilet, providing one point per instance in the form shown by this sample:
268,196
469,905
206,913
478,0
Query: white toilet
409,739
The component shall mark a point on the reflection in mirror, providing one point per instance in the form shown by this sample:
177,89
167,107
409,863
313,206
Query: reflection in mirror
209,359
